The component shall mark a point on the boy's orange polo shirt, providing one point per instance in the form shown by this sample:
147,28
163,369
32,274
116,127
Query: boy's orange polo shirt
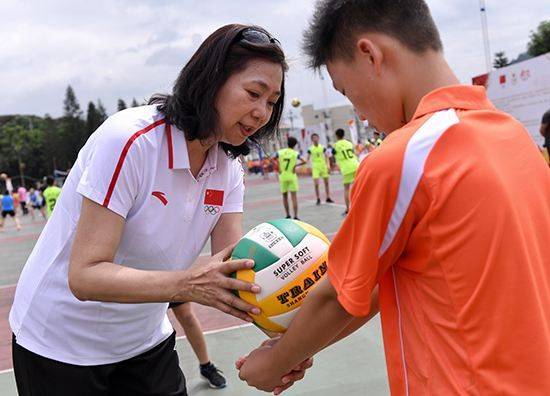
451,218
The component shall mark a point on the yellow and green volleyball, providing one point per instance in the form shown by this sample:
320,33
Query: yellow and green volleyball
290,258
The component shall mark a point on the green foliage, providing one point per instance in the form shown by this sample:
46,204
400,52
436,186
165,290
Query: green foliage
71,108
121,105
21,140
540,40
102,113
44,144
500,60
39,145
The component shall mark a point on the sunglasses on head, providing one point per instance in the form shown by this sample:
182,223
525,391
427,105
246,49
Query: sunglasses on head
256,36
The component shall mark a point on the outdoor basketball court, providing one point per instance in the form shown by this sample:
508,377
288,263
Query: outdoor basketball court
355,366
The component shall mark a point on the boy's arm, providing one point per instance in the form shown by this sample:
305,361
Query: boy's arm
320,322
359,322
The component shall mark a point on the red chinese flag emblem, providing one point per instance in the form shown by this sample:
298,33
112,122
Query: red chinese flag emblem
502,79
213,197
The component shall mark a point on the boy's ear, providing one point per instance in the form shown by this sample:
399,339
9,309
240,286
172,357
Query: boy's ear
371,53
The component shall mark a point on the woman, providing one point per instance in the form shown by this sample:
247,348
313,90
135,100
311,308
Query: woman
149,188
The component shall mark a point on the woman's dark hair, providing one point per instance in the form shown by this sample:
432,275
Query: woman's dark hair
191,107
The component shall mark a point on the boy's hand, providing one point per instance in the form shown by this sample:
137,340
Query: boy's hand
285,381
259,372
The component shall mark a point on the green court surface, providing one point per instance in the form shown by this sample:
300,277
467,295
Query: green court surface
355,366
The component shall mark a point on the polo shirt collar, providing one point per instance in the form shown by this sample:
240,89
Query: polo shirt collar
465,97
178,156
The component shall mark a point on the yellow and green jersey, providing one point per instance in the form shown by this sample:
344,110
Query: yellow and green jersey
317,156
345,156
287,162
51,194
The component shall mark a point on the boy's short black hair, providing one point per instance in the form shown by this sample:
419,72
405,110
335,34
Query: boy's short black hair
335,25
314,134
339,133
292,142
50,180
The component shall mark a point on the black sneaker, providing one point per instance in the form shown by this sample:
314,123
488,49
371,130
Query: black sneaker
296,218
318,202
288,217
212,374
329,200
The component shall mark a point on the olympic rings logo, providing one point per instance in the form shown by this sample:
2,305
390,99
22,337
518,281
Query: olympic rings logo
211,209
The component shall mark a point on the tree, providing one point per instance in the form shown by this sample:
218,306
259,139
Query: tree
102,113
93,119
53,146
134,103
500,60
20,141
71,108
72,131
540,40
121,105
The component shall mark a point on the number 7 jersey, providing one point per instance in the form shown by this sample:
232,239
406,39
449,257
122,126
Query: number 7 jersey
287,162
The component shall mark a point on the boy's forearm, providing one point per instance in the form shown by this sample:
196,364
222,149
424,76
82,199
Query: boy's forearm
320,320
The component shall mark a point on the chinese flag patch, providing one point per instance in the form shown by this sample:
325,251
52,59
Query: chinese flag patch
213,197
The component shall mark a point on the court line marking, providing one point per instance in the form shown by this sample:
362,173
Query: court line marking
179,338
337,205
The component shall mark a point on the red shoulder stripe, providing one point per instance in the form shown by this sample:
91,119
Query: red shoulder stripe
123,157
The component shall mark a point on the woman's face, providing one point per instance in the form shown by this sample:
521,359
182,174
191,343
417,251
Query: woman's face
246,101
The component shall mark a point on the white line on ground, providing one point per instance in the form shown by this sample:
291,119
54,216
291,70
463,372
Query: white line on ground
179,338
326,203
220,330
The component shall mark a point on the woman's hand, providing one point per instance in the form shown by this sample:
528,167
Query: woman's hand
210,284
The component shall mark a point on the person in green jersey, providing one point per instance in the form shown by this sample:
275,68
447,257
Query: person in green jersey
51,193
347,162
377,139
319,166
288,180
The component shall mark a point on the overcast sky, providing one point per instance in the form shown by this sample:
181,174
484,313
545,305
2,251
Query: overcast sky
110,49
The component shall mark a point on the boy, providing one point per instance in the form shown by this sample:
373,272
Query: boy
288,180
434,228
347,162
51,194
8,209
319,167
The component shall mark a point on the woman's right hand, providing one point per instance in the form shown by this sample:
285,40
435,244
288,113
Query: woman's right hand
209,283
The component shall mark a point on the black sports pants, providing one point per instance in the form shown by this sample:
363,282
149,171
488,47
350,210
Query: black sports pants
154,372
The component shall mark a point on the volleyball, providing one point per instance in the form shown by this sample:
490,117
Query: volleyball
295,102
290,258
